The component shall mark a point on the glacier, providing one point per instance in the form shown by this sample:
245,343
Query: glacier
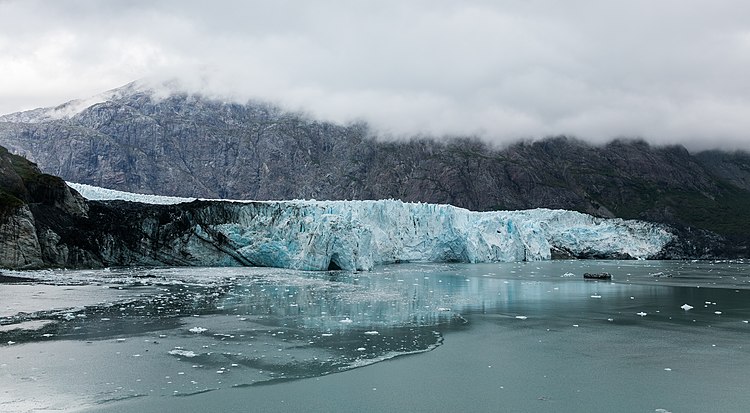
358,235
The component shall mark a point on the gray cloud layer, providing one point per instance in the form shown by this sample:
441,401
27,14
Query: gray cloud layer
671,71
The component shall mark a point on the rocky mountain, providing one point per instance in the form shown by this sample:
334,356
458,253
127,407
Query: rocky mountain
180,144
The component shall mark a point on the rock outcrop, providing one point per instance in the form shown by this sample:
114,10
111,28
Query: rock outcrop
31,205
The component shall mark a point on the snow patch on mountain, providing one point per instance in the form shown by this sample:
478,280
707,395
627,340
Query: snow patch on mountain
64,111
69,109
96,193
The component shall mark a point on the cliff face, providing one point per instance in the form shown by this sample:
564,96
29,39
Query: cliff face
186,145
28,198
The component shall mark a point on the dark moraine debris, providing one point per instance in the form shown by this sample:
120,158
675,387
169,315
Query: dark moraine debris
597,276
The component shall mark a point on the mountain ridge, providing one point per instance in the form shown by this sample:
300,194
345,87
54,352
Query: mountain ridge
187,145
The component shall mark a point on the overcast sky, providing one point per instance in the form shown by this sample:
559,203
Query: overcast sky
669,71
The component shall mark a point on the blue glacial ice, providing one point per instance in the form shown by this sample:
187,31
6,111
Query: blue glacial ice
357,235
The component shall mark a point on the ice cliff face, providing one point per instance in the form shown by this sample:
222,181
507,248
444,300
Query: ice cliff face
356,235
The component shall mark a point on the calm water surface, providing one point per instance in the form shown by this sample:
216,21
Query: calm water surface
411,337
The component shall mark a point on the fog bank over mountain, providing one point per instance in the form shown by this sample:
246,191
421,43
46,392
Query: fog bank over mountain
671,72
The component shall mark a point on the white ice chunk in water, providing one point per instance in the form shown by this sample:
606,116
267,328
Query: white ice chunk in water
521,317
642,314
686,307
198,330
182,353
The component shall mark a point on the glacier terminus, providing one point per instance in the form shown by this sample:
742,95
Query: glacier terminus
358,235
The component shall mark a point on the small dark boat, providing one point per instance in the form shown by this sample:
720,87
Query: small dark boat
597,276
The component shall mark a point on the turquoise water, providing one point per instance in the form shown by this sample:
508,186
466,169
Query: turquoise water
410,337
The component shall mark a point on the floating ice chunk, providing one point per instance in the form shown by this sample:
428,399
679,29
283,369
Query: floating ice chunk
642,314
686,307
443,309
182,353
371,333
198,330
361,349
346,320
596,296
32,325
667,369
521,317
717,312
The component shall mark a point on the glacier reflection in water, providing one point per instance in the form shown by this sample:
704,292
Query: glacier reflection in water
76,338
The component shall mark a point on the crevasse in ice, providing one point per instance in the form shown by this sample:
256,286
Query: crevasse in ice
357,235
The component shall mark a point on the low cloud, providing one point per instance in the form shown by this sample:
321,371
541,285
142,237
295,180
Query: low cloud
668,71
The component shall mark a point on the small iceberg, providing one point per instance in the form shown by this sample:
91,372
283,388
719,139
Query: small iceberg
686,307
182,353
197,330
642,314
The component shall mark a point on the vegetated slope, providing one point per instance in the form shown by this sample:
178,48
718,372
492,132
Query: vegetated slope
187,145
